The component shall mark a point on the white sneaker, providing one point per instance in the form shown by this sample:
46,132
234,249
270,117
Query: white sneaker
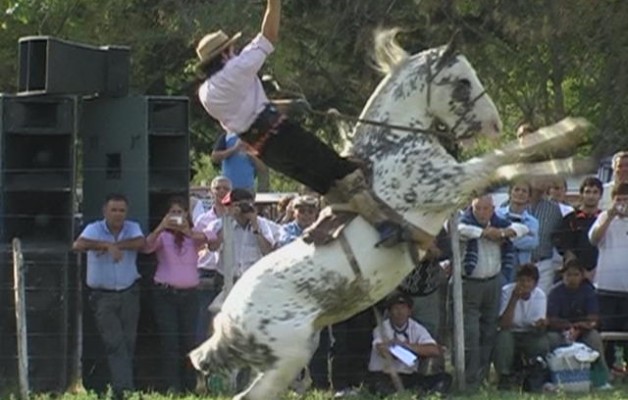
606,386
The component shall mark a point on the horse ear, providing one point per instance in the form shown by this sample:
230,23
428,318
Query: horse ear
451,50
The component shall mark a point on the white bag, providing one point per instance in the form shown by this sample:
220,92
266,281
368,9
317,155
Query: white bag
570,367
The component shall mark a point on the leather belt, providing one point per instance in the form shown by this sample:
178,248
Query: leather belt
264,125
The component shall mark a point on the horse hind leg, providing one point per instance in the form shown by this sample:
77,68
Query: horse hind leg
271,383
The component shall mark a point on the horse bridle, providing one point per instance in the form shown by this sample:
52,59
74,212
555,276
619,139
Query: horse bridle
433,130
468,105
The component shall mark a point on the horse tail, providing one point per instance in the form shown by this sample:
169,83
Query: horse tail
213,355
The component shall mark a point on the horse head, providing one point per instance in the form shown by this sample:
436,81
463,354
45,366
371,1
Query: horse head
434,90
425,105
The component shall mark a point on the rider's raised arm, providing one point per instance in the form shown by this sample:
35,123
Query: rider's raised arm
270,23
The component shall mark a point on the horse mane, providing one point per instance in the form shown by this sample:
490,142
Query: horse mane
388,54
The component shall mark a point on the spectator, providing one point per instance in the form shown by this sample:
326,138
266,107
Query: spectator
573,313
522,324
176,278
285,213
252,235
209,270
237,162
487,253
516,211
557,192
550,219
305,213
572,239
112,245
608,233
524,130
620,174
401,330
426,284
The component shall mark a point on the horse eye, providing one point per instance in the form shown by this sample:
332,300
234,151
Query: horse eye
462,91
440,126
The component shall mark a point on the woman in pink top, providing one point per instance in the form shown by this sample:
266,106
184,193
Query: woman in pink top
176,247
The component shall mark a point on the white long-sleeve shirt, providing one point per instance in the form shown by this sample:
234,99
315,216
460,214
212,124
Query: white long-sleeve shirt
489,251
235,95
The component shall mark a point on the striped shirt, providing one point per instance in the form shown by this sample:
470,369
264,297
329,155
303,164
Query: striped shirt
550,219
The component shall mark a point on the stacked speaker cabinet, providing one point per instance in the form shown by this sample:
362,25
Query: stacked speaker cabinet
37,205
137,146
38,169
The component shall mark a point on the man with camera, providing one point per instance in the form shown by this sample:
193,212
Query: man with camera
610,234
252,234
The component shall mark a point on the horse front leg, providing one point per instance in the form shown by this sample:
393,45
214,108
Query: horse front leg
562,136
566,166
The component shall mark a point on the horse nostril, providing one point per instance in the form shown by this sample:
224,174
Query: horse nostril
204,366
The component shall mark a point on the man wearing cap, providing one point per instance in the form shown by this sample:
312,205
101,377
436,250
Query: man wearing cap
233,94
401,330
305,210
252,234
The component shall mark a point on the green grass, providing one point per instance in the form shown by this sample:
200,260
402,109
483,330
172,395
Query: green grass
619,393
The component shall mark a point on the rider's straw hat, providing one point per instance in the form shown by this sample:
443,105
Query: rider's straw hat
213,44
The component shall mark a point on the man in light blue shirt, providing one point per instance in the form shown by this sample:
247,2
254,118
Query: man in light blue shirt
305,213
112,245
516,211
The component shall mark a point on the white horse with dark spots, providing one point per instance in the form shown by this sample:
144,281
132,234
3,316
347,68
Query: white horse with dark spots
272,317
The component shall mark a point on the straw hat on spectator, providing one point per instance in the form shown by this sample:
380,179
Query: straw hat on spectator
212,44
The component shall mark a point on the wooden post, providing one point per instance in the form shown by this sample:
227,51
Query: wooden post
459,362
388,360
20,318
227,256
228,253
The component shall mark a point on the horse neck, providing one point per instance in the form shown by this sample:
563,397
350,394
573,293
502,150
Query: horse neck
399,100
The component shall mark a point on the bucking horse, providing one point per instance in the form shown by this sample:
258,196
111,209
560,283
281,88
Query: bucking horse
426,102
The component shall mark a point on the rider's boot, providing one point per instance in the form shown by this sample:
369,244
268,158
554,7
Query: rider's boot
355,191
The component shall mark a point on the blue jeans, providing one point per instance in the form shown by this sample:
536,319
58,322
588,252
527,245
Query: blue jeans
175,314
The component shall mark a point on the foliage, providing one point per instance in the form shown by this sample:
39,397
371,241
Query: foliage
540,59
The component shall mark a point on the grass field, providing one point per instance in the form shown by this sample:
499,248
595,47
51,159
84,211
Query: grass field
619,393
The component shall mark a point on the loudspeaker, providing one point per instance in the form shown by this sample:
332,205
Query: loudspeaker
37,169
137,146
48,65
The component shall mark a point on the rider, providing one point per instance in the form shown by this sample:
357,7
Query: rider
232,93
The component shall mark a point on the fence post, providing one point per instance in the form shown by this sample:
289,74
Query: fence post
459,362
20,317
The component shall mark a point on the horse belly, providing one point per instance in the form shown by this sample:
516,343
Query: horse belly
301,285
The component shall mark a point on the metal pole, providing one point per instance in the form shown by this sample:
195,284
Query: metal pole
20,317
228,253
459,362
76,368
75,382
